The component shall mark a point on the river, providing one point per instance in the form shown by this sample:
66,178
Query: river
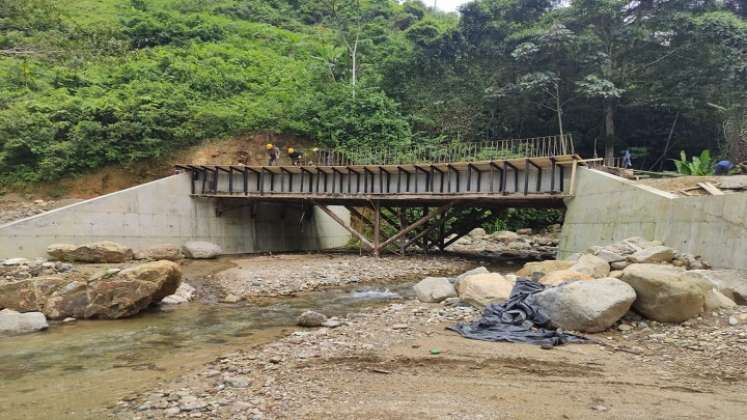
81,369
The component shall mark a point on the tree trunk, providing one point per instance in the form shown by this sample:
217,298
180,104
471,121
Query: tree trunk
609,131
559,108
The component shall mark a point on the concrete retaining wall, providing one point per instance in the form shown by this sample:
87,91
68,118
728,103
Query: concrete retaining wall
608,208
163,212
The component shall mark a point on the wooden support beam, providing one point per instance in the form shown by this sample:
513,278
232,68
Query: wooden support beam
422,220
393,223
377,230
339,221
359,215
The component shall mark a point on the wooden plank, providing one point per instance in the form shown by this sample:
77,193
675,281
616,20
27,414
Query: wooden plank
710,188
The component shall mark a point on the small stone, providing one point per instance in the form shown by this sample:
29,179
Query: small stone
547,346
331,323
173,411
435,351
399,326
599,408
311,319
69,319
624,327
231,298
733,321
276,359
236,381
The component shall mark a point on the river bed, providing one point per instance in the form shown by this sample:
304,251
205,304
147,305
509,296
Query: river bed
81,369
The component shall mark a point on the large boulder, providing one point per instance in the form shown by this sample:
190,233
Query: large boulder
113,295
544,267
483,289
62,297
555,278
132,290
731,283
434,289
478,270
202,250
653,255
168,252
12,322
477,233
505,236
19,295
666,293
591,265
590,306
96,252
610,256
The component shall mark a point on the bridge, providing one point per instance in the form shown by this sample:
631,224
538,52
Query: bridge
403,197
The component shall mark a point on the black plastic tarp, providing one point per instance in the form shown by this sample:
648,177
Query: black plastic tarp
518,320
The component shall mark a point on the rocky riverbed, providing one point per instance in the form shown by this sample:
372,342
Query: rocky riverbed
399,361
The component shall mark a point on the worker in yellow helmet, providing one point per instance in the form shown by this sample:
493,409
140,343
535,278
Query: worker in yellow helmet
295,156
273,153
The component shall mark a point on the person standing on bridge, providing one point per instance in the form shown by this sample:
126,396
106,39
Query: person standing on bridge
295,155
273,153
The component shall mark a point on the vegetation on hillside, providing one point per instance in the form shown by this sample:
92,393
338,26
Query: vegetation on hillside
86,83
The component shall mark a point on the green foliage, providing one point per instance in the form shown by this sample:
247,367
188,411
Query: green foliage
699,166
87,83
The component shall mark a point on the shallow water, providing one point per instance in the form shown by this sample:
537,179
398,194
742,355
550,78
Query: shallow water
76,370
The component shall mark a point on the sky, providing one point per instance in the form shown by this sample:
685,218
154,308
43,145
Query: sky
448,5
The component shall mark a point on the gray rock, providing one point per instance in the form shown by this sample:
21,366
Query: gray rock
652,255
434,289
311,319
202,250
504,236
544,267
483,289
96,252
524,231
123,294
12,262
619,265
591,265
236,381
477,233
13,323
716,300
610,256
331,323
731,283
588,306
665,293
736,182
160,252
184,293
478,270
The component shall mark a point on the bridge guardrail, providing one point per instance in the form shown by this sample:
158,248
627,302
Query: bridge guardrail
548,146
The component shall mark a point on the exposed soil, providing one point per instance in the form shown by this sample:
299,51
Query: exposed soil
399,362
237,150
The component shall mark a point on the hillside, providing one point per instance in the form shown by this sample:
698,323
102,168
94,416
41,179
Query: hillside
88,84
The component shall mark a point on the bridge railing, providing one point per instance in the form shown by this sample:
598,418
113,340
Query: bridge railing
442,153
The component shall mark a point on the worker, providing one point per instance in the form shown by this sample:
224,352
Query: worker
273,153
723,167
295,156
627,161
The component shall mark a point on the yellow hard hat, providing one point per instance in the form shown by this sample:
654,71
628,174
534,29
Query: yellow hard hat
269,146
291,150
